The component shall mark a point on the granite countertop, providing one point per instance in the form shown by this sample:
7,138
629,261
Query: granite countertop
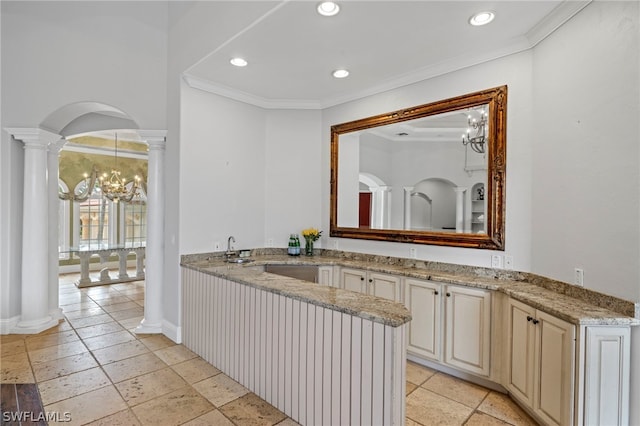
578,308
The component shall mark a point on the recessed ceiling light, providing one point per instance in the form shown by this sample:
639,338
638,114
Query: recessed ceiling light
482,18
238,62
328,8
340,73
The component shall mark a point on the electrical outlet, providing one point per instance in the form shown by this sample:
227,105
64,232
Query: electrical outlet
496,261
578,278
335,244
508,262
216,246
413,253
270,242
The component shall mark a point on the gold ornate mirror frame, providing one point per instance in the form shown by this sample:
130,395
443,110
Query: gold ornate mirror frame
494,236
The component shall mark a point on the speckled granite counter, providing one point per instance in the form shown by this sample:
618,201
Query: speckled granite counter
570,303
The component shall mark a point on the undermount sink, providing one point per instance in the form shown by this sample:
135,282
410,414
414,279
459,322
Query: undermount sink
238,260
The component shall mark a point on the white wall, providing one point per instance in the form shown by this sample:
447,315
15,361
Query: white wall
586,157
292,153
515,71
222,172
58,53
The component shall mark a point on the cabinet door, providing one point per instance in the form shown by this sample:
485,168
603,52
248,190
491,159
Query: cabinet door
423,299
325,275
468,329
353,279
383,285
555,350
521,350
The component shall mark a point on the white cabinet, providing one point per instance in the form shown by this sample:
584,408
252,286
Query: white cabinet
462,326
541,363
424,335
374,283
325,276
468,329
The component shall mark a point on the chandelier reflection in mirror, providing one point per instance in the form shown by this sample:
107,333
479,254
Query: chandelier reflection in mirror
478,141
113,187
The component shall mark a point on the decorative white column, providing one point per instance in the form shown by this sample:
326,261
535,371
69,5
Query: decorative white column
408,190
35,315
152,322
52,181
460,209
381,215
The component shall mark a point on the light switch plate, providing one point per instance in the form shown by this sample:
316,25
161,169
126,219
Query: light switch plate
270,242
413,253
496,261
508,262
579,277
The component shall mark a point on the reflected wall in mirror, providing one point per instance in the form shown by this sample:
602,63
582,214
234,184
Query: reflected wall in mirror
430,174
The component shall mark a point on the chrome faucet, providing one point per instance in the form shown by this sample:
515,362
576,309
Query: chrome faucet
230,252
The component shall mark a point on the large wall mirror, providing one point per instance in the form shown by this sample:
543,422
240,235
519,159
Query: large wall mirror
430,174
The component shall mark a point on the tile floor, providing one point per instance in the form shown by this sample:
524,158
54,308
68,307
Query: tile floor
94,367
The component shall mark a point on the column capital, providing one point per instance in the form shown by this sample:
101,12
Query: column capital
459,189
155,138
32,135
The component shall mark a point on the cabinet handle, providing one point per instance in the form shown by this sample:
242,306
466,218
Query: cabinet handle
535,321
529,318
448,294
435,292
361,278
370,280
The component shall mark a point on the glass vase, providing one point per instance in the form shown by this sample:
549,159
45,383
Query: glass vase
308,247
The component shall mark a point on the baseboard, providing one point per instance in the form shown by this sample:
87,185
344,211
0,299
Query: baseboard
172,331
7,324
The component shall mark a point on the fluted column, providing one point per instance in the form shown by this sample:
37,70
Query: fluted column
460,209
35,316
53,171
154,274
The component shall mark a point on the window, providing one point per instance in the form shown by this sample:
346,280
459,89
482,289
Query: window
134,223
92,221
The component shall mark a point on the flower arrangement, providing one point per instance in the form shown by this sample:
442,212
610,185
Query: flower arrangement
311,234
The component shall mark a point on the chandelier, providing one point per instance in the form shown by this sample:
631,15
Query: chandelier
115,187
478,141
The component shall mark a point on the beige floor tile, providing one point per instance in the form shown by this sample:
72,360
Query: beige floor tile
220,389
132,367
7,338
502,407
88,304
120,306
131,323
72,385
481,419
417,374
174,408
16,369
63,366
288,422
53,339
119,352
56,352
122,418
73,299
214,417
430,408
127,313
251,410
175,354
84,312
63,325
89,321
12,347
195,370
98,330
410,387
112,300
157,341
409,422
459,390
89,406
149,386
106,340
